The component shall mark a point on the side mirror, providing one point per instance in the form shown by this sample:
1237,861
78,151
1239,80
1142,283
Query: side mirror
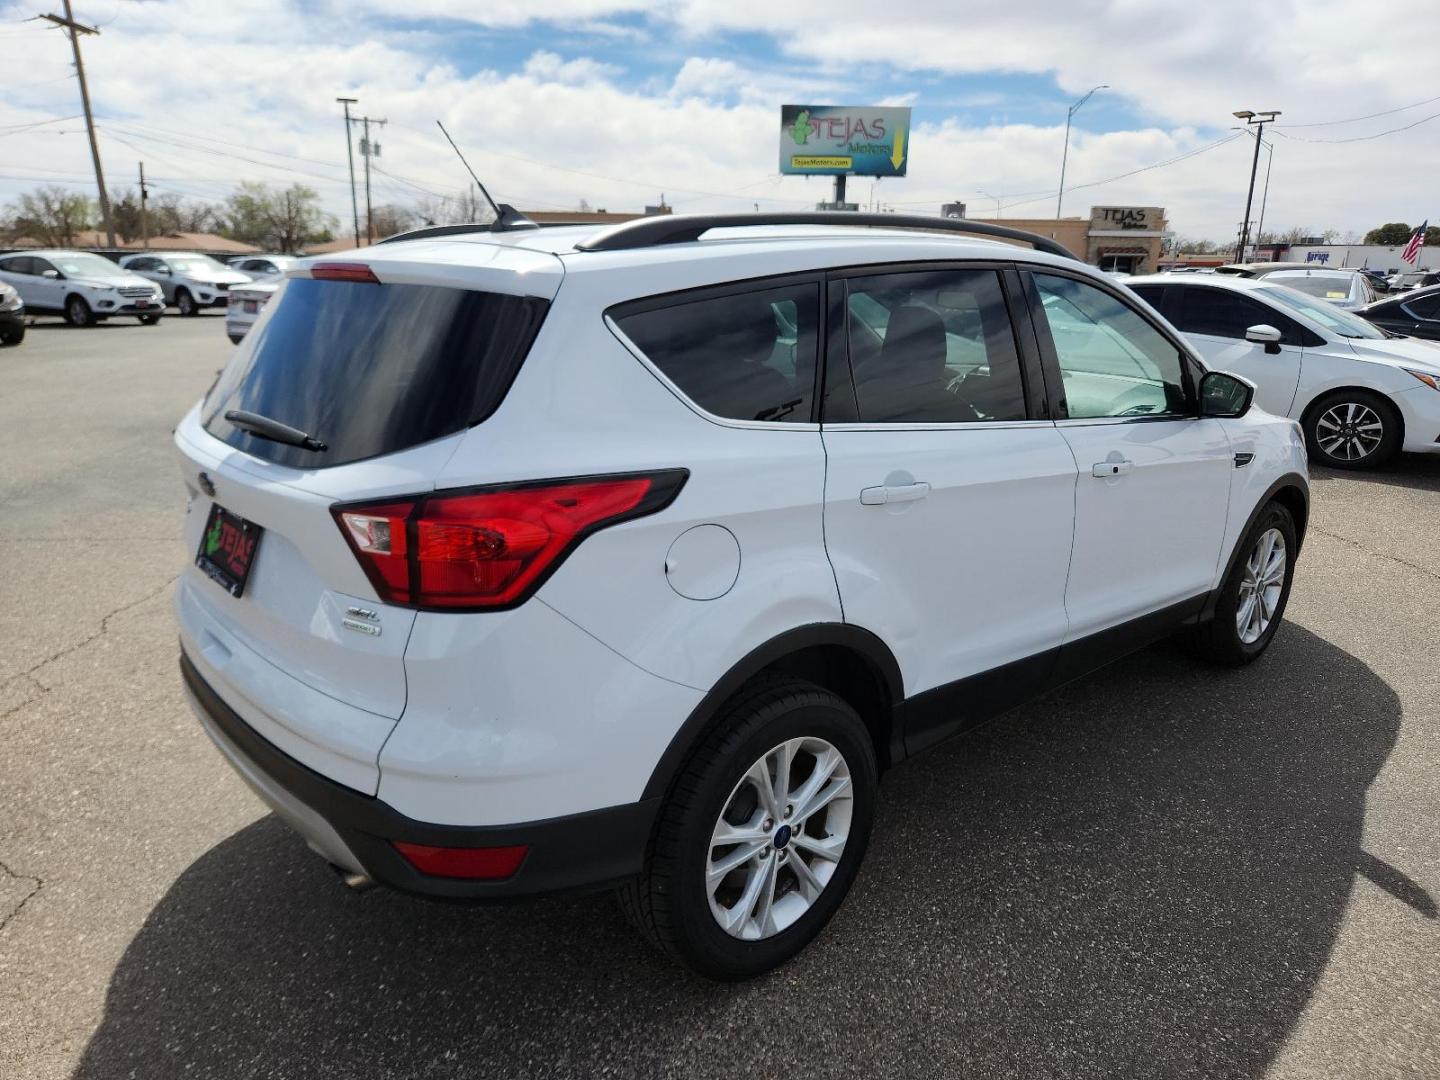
1265,334
163,269
53,275
1224,395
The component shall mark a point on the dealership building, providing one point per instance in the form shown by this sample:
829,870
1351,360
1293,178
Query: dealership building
1129,239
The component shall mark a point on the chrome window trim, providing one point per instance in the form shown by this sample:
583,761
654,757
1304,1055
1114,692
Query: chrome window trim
920,425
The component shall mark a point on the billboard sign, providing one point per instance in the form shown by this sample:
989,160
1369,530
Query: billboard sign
844,140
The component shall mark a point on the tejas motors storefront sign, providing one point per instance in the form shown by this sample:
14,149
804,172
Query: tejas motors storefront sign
844,140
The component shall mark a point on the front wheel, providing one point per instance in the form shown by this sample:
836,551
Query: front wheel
1352,429
13,336
1254,594
78,313
763,833
185,303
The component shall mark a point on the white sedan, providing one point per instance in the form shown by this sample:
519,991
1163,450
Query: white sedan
246,303
1360,393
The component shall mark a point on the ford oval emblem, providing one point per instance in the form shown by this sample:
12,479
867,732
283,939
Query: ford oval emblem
206,484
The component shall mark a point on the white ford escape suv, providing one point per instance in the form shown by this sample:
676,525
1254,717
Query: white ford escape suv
536,560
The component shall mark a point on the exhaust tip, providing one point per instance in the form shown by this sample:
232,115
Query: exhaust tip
353,879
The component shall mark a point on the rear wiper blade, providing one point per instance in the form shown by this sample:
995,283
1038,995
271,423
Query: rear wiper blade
274,430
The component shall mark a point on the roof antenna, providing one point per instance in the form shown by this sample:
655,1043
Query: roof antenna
506,216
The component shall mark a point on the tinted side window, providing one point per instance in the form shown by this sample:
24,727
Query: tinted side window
1154,295
1112,361
1222,313
743,356
1425,307
19,265
934,347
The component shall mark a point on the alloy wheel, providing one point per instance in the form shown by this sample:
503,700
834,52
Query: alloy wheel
1261,586
779,838
1349,431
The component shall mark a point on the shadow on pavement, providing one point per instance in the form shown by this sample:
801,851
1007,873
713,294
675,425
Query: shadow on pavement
1140,875
1420,471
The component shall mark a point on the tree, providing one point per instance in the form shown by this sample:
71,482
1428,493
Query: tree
1432,235
51,215
1391,235
390,219
170,214
278,220
125,213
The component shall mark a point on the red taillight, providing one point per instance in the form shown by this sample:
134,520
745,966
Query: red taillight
484,862
340,271
490,548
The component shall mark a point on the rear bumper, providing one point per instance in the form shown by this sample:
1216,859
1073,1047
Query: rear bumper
355,831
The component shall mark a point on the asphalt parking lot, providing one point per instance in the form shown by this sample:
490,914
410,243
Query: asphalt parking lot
1161,871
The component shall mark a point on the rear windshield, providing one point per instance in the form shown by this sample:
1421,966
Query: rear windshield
1326,286
372,369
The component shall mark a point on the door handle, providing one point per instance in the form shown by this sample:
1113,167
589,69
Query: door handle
893,493
1105,469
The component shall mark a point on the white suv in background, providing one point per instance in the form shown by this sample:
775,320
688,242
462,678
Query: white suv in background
189,281
83,287
1361,394
531,561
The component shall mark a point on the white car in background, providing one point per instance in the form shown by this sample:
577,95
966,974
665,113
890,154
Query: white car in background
1361,394
1349,289
263,267
189,281
246,303
83,287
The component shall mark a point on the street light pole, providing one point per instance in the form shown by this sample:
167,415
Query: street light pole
350,153
1259,120
1065,155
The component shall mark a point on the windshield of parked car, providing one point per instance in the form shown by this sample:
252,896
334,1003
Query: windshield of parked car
1328,286
195,264
1334,319
83,264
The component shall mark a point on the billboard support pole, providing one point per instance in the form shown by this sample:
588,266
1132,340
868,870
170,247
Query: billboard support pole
840,191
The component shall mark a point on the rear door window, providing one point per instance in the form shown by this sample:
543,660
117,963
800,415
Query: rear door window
372,369
933,347
746,355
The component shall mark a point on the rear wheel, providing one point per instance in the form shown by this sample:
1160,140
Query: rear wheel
185,303
1352,429
77,312
1254,594
763,833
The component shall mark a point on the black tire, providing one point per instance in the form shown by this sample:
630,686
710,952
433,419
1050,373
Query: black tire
149,320
669,902
14,336
1358,402
1218,639
235,339
185,303
77,311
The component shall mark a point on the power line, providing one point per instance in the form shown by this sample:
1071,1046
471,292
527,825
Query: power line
1357,119
1362,138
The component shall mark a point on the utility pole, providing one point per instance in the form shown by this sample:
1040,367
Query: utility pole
1065,155
350,154
1259,119
368,150
144,215
74,30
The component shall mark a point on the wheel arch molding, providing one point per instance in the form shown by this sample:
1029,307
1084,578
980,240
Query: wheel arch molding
847,659
1292,491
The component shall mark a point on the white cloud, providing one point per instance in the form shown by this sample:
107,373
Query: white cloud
201,92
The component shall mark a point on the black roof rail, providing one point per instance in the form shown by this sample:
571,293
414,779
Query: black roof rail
682,228
510,220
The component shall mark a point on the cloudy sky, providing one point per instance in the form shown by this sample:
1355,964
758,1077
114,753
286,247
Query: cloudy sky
620,101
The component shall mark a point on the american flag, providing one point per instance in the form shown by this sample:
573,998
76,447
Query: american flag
1411,254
